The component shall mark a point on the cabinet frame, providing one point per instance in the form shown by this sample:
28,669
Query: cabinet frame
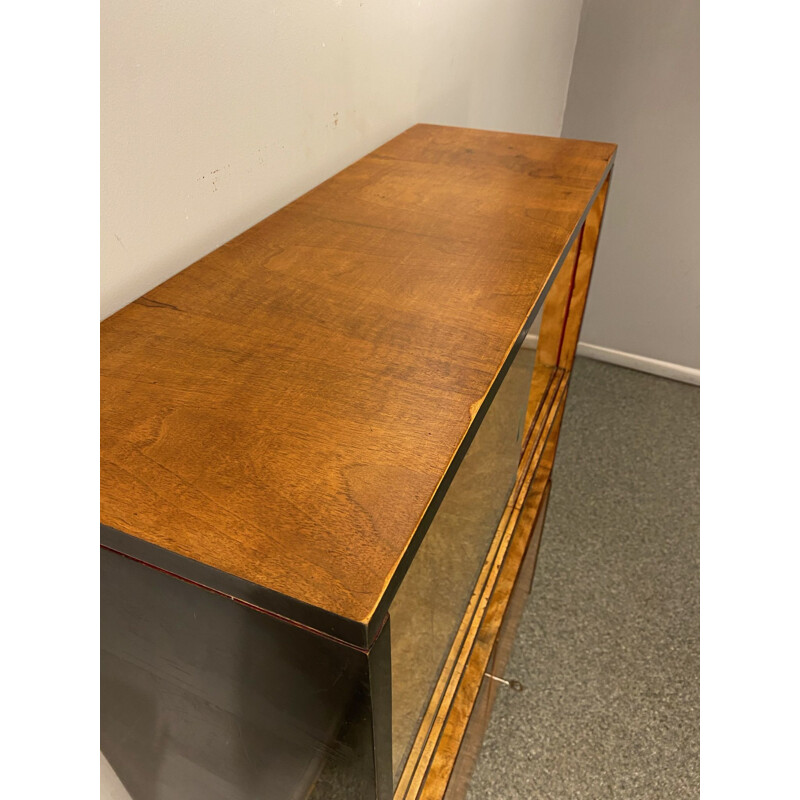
445,748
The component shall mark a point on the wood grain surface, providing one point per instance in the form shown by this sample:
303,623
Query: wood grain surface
284,411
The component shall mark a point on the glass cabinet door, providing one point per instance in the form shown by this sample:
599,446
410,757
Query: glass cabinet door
432,599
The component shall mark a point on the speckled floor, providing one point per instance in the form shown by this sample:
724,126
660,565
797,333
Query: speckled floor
608,646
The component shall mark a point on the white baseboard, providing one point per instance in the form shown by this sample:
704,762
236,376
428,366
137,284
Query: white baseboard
664,369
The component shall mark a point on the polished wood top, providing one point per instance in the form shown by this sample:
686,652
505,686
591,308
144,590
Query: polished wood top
283,412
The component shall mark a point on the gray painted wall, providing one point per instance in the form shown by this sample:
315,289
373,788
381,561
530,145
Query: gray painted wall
635,81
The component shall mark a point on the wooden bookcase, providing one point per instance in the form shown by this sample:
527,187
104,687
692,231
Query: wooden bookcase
312,569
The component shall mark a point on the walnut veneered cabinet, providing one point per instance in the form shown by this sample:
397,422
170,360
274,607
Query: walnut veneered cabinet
325,463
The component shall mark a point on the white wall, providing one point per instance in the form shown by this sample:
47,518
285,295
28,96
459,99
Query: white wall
635,81
215,114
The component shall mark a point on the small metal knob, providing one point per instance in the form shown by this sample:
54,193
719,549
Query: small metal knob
512,684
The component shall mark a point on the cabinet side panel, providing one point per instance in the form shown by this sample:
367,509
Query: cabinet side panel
202,696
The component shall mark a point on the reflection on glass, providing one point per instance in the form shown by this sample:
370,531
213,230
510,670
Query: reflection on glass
433,597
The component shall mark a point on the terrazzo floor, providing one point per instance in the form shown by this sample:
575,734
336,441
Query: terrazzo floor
608,646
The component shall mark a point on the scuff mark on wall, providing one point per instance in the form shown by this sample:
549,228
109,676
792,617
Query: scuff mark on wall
254,86
214,176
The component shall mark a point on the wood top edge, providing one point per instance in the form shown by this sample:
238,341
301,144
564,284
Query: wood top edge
358,620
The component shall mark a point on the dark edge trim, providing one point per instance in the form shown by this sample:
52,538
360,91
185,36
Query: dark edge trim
215,580
304,614
379,664
433,506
